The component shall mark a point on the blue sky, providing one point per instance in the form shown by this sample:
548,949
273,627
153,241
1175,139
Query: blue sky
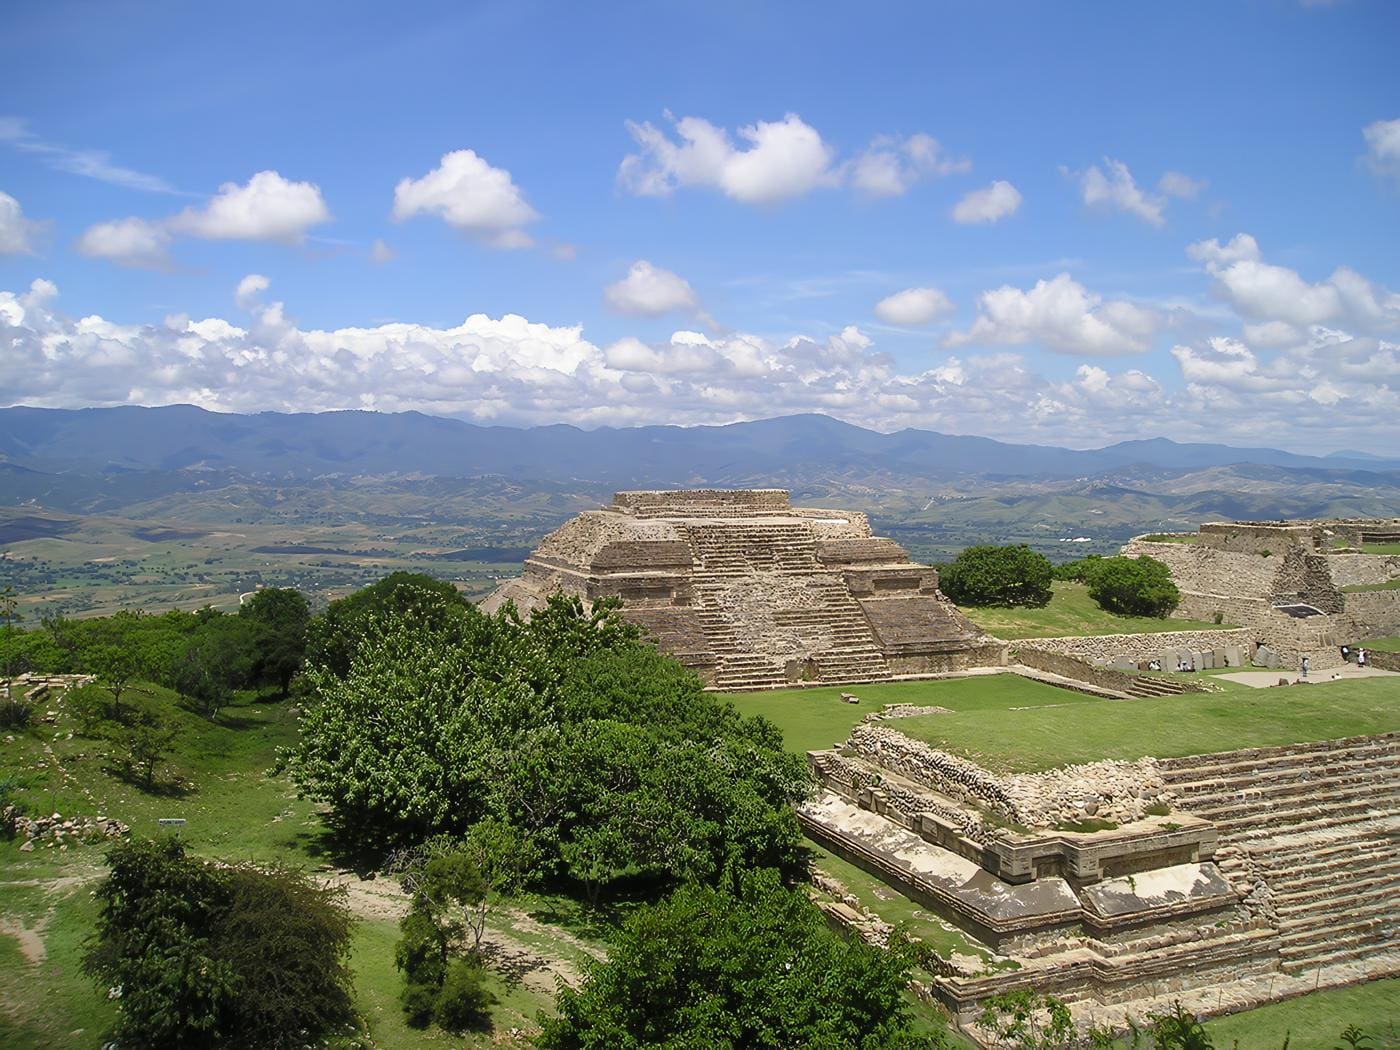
1070,223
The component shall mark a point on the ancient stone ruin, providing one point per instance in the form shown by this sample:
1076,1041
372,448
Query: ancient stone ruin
1223,881
1300,588
753,592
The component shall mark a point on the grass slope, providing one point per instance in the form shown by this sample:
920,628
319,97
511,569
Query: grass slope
1314,1022
1071,612
221,781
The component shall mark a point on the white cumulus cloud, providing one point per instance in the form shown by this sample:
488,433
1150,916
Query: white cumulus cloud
775,161
382,252
913,306
128,242
250,290
1175,184
267,208
989,204
472,197
890,166
1060,315
1113,188
1383,147
650,291
1267,293
15,229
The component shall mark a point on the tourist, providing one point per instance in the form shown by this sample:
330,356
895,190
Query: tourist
1305,667
1361,658
1346,654
1154,665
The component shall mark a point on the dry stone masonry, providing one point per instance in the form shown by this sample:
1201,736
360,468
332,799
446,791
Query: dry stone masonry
1223,881
754,593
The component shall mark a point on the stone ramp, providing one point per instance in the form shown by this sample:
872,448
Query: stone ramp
1317,826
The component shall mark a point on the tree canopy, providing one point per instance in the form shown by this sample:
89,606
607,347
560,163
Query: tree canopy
749,967
1140,586
991,575
607,754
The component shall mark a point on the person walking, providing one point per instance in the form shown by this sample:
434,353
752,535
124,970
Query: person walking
1361,658
1305,667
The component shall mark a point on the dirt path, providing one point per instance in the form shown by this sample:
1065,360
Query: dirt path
383,898
31,938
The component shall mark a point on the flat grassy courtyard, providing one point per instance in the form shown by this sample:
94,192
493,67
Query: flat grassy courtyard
1014,724
1072,612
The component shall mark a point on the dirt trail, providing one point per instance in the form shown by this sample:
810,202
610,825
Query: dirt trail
383,898
31,939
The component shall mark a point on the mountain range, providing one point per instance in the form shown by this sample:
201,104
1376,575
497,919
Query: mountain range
302,446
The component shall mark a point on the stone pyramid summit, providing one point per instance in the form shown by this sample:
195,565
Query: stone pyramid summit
755,593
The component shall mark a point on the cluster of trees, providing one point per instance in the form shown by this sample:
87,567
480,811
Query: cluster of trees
1005,576
429,716
205,656
1140,586
196,953
991,575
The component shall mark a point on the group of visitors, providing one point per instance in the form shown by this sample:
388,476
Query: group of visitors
1360,656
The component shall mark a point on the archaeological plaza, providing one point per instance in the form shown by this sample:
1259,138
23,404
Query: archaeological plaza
1223,879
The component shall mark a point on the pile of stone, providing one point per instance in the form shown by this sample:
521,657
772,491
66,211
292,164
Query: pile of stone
56,830
904,711
1116,791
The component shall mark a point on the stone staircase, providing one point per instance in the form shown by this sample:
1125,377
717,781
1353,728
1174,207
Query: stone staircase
722,549
1319,826
849,653
1140,685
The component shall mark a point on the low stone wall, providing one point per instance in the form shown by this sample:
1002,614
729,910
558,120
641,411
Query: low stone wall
1374,614
739,503
1351,570
1383,661
1138,647
1083,671
1199,567
1109,790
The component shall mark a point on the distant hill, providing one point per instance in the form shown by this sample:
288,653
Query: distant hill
184,438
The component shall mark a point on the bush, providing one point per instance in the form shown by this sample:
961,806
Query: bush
464,1001
1139,586
1079,571
990,575
16,713
201,954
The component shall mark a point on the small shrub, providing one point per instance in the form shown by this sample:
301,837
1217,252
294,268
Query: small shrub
1219,617
419,1001
16,713
89,706
1158,809
465,1001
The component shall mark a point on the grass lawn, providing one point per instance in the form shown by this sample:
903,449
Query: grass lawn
220,781
1359,588
1385,645
1017,724
1314,1022
1071,612
1380,548
1195,723
816,718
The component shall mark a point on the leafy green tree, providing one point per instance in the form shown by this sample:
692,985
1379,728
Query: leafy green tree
1140,586
199,954
114,655
218,658
333,637
758,966
282,617
990,575
146,743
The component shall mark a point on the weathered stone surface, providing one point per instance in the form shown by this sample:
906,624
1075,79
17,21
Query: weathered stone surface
755,593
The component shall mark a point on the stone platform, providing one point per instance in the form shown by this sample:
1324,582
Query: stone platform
1223,881
755,593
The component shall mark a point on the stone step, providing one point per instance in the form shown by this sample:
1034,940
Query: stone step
1380,955
1361,813
1360,896
1313,946
1250,759
1264,779
1277,814
1296,880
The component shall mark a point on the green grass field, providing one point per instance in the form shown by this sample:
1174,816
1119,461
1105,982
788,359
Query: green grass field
1380,548
1315,1022
1359,588
221,782
1071,612
1015,724
1385,645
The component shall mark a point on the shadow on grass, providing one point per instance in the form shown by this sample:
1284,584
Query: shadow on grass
330,846
157,787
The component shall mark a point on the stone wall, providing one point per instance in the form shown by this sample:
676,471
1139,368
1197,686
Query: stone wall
1082,671
1248,537
1383,661
717,503
1137,647
1351,570
1111,790
1202,568
1374,614
578,541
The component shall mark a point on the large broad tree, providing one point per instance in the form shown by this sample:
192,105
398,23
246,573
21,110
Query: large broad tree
608,755
282,618
990,575
1140,586
757,966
